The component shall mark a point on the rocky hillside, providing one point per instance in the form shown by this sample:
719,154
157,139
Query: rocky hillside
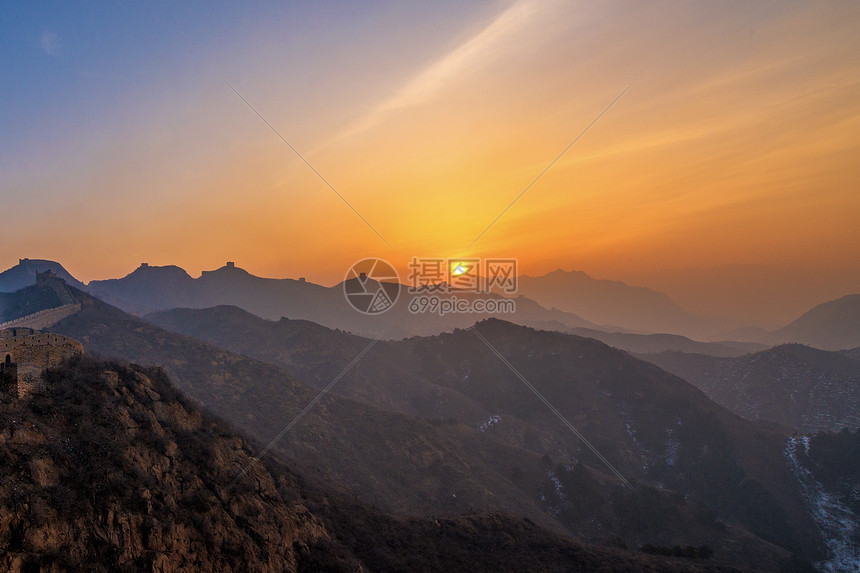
441,465
29,300
826,466
114,470
793,385
656,428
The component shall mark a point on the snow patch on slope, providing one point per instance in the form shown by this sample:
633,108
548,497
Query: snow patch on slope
490,423
837,523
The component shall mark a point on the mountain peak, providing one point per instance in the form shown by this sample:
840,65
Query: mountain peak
146,268
24,274
611,302
229,269
560,273
833,325
497,324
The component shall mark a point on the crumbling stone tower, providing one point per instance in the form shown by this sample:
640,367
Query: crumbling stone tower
26,353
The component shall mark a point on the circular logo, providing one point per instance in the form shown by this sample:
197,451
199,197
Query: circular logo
371,286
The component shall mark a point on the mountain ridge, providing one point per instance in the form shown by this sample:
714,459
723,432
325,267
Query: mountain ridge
438,364
765,296
798,386
344,442
832,325
24,274
154,290
613,302
116,470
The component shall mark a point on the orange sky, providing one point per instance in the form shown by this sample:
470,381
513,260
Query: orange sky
738,142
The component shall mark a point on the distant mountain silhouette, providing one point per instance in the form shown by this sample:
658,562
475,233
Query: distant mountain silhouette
797,386
150,289
614,303
833,325
748,294
656,343
24,274
749,334
854,353
145,288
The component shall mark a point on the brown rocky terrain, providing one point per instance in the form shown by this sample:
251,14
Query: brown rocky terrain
654,427
114,470
793,385
435,464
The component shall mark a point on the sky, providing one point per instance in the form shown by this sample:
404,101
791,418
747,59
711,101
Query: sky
297,138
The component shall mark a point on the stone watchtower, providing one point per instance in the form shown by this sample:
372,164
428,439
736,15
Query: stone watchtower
25,354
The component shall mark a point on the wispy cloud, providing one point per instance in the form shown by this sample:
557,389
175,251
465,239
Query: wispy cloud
50,42
490,43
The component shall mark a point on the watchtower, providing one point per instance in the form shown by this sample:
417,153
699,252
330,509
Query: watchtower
26,353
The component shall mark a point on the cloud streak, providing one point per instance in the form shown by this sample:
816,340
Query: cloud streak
488,44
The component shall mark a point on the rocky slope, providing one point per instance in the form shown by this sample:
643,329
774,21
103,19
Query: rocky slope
655,427
796,386
826,467
114,470
29,300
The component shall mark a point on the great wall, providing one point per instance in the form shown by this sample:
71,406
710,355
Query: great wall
25,352
42,319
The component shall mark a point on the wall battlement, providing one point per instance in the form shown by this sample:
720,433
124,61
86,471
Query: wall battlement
25,354
44,318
